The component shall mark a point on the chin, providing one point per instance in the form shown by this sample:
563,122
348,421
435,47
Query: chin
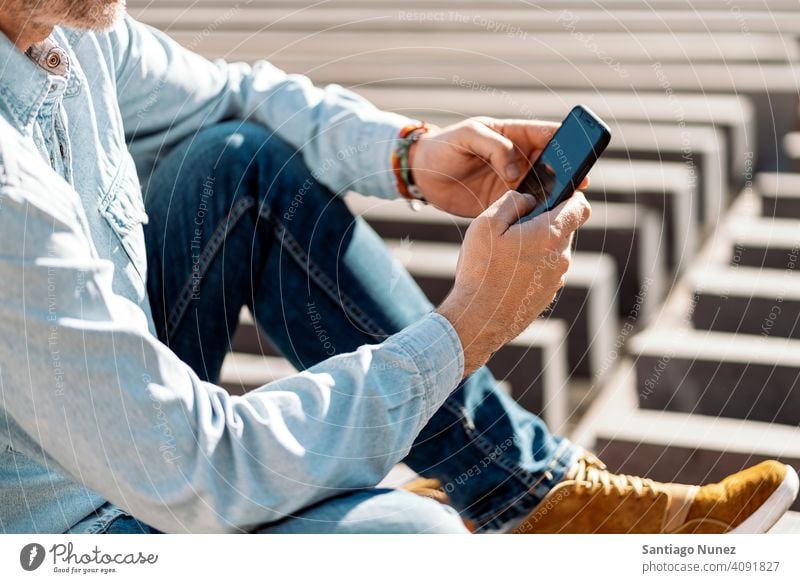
94,14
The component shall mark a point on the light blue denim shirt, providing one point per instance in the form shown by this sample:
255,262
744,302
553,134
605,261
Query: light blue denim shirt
93,408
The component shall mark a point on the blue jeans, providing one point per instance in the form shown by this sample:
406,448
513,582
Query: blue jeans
251,241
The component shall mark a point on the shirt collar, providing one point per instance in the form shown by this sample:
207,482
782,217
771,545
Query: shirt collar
50,57
30,78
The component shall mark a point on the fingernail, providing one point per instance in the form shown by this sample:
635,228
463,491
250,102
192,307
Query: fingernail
513,171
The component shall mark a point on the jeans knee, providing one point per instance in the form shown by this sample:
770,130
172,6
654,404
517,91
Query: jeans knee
246,145
435,518
377,511
412,514
265,165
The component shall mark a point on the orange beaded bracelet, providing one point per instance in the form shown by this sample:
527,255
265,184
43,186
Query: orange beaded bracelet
400,163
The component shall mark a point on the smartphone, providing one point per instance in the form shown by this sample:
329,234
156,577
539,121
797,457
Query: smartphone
565,160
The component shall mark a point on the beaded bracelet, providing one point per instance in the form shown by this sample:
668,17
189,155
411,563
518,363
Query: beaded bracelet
400,163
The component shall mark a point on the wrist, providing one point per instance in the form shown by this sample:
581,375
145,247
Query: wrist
478,335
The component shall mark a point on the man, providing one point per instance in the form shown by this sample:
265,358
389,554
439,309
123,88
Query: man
119,296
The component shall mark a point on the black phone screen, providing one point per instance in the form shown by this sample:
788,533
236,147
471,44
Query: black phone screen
566,160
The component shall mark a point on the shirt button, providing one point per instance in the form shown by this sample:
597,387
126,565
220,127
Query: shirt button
53,60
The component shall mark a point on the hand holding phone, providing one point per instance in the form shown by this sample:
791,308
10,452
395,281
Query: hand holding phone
565,160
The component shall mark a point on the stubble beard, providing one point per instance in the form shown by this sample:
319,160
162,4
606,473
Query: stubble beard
80,14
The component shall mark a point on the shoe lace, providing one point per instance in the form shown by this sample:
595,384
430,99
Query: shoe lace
591,474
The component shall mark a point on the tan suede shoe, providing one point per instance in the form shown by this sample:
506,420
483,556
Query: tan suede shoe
591,499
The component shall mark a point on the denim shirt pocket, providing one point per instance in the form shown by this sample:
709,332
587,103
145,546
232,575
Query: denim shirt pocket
123,209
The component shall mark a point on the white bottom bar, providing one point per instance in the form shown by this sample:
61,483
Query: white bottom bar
400,559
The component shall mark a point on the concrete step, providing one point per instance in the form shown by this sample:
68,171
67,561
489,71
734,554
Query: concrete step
249,339
667,188
703,150
631,236
766,243
791,145
747,300
588,304
780,194
534,368
713,373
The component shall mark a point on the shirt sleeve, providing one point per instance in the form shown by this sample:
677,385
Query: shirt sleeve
167,93
114,408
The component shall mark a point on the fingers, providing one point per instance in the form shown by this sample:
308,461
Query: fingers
569,216
495,148
509,208
563,220
527,134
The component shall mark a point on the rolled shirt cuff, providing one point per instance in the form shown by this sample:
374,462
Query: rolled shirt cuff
379,177
435,348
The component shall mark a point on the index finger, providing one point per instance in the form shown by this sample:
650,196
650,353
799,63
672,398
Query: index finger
527,135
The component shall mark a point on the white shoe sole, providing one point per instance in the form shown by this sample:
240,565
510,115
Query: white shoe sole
773,508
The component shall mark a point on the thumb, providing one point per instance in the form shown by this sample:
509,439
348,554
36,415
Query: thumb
509,208
495,148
